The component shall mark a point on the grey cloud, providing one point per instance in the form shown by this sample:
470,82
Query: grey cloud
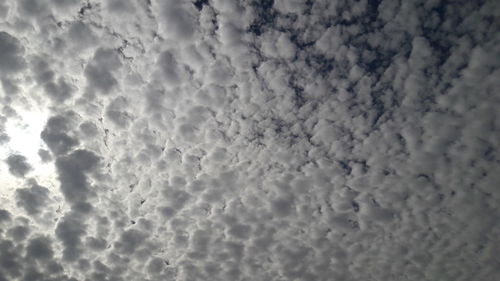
96,243
99,72
44,155
55,135
59,90
70,231
4,8
32,259
10,263
18,165
32,199
200,243
100,78
81,35
4,215
260,140
72,170
117,112
10,87
155,265
40,248
130,241
171,70
177,19
41,70
32,8
118,6
11,54
282,206
18,232
65,3
89,129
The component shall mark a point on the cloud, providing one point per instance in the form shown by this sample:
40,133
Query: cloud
99,72
55,135
32,8
18,165
130,241
40,248
44,155
81,36
251,140
70,231
11,58
4,215
32,199
72,170
177,20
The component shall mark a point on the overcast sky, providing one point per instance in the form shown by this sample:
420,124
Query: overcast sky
224,140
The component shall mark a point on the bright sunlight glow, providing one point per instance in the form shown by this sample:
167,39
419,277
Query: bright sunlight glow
24,138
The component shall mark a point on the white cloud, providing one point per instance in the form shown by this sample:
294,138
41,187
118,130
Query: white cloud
251,140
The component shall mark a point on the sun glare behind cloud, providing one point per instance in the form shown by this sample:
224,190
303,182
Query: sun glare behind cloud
249,140
24,139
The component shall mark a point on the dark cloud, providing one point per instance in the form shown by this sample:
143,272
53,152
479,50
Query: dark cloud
40,248
11,54
117,112
59,90
70,231
72,170
18,165
99,72
44,155
10,260
4,215
9,86
130,241
33,198
41,70
18,232
55,135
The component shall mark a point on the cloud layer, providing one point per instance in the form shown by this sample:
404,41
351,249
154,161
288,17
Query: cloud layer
251,140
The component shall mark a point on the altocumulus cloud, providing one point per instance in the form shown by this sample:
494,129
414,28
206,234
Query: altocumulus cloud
251,140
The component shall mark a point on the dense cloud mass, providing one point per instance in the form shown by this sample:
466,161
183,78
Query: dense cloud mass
249,140
18,165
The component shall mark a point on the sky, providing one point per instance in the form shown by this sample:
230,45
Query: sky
248,140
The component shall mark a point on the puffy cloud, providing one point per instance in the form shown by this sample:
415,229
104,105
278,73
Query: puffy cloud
130,241
69,231
44,155
81,36
56,135
4,215
171,70
18,165
269,140
72,170
32,199
99,72
177,20
40,248
11,54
